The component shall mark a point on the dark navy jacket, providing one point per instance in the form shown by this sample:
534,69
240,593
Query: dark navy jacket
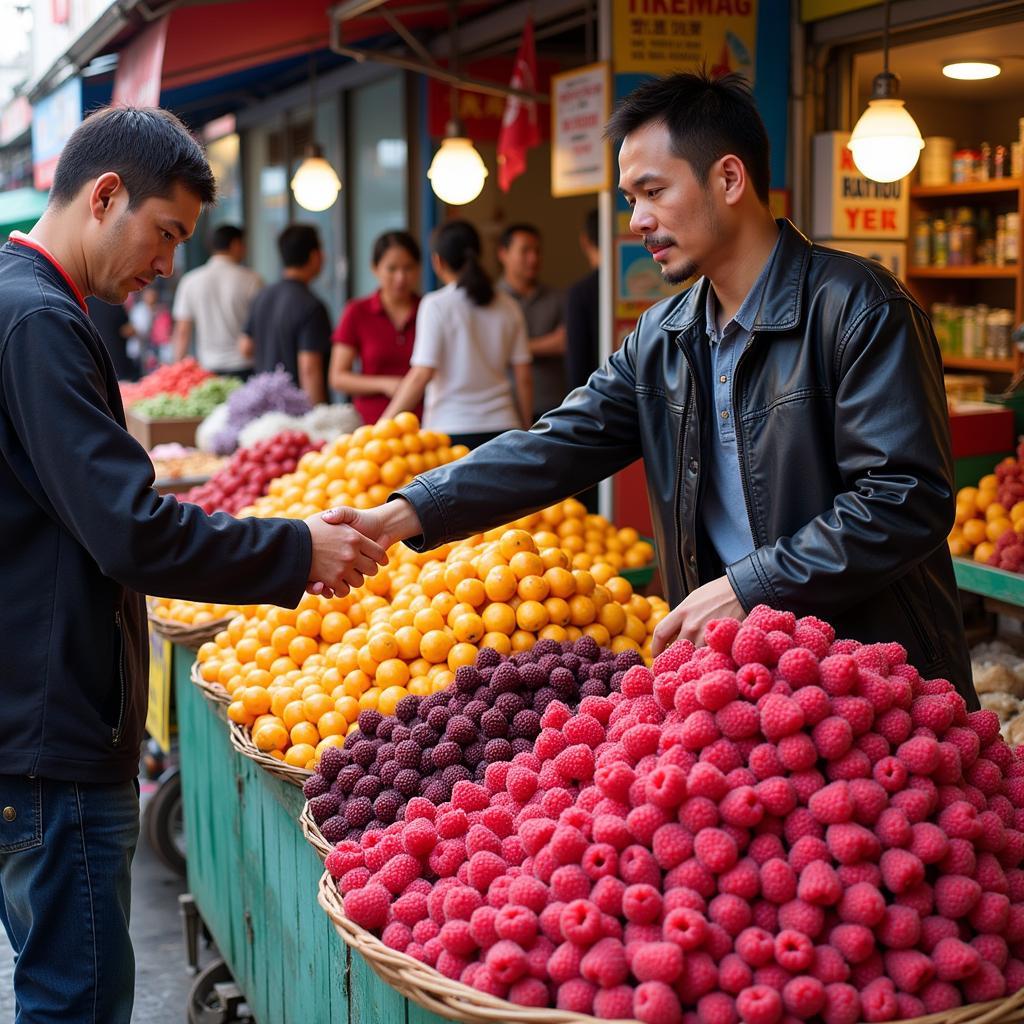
83,536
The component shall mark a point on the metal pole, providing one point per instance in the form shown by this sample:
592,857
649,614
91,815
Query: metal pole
606,240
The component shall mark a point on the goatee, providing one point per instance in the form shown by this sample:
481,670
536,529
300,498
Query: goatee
680,274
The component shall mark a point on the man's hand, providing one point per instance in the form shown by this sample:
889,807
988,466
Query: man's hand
345,552
715,600
351,544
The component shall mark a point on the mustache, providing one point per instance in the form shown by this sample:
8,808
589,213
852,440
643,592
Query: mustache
652,242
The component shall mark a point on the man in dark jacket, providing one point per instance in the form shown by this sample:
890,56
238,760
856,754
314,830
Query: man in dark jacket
789,408
84,536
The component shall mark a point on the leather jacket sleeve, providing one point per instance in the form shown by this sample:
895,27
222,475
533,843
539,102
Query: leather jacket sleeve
590,436
893,457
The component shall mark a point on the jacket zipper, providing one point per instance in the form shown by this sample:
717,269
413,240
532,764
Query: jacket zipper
119,729
691,398
739,439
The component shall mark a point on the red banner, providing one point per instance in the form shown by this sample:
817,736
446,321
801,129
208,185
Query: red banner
140,67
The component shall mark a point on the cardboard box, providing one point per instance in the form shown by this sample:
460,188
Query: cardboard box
151,432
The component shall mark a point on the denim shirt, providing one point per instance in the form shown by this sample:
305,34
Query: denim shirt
725,510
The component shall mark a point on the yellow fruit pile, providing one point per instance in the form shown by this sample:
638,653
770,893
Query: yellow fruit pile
981,520
192,613
299,678
359,469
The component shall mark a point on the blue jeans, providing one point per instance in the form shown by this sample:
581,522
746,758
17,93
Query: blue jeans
65,896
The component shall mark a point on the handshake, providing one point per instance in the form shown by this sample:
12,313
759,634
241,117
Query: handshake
349,544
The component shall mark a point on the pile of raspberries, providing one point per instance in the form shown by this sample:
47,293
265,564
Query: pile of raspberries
491,712
778,826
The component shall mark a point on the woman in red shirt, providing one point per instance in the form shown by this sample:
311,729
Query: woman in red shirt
379,329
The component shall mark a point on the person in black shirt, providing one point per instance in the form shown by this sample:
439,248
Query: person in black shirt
288,325
582,304
114,327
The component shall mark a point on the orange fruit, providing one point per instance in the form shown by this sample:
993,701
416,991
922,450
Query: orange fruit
408,639
392,672
428,619
526,563
256,700
995,511
584,581
334,626
533,588
620,589
245,649
469,628
461,654
532,616
974,531
435,646
317,704
332,723
236,713
983,552
989,482
582,610
500,583
443,603
553,632
456,573
270,736
419,686
389,697
293,713
554,558
304,732
995,528
522,641
559,612
498,641
308,623
560,582
514,541
499,618
958,547
347,707
984,499
599,633
369,699
382,647
471,591
301,648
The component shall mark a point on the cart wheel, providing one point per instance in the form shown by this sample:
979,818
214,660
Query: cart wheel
215,999
164,823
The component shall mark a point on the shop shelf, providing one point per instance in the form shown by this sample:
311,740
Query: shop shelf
988,581
987,365
979,272
963,189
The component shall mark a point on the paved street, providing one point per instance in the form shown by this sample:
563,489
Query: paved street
162,980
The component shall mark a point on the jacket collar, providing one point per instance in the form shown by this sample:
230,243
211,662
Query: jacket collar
783,295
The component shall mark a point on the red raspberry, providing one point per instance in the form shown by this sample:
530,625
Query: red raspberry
605,964
909,969
891,774
767,618
744,880
797,752
815,703
459,903
842,1004
956,895
753,681
672,844
724,754
666,786
875,689
737,720
637,681
928,842
641,740
801,823
793,950
855,942
700,976
715,849
641,903
637,865
778,881
343,858
778,643
803,997
901,870
614,780
673,657
742,807
807,784
750,646
654,1002
755,946
734,974
716,689
506,961
862,904
939,996
569,883
730,912
819,884
397,936
483,926
451,824
985,984
839,674
450,965
776,796
368,907
833,804
829,966
581,922
799,667
960,821
895,725
991,913
657,961
720,634
480,837
985,724
780,716
1014,975
686,927
576,763
919,754
399,872
850,843
759,1004
528,992
699,730
796,915
717,1008
878,1000
567,845
468,796
484,868
832,737
456,938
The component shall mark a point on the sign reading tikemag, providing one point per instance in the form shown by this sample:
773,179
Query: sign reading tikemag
158,716
659,36
580,154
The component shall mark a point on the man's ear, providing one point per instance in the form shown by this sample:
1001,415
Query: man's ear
105,192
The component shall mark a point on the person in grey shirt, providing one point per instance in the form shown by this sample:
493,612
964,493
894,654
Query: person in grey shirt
520,258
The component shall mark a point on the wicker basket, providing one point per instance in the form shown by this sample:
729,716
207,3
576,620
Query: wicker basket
213,692
192,637
241,740
454,1001
314,837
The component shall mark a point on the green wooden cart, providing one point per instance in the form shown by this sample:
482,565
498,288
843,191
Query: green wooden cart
254,879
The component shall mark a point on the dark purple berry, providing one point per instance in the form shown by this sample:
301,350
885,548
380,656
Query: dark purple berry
526,725
467,678
616,681
461,730
427,761
423,735
400,733
563,682
447,753
385,730
475,708
438,717
498,750
363,753
358,812
573,663
386,806
324,806
542,698
473,754
347,778
607,654
626,659
586,647
385,753
332,760
405,710
368,786
594,688
532,676
407,782
334,829
521,746
407,754
549,663
388,772
509,704
487,658
506,678
493,722
368,722
601,670
435,792
317,785
543,648
455,773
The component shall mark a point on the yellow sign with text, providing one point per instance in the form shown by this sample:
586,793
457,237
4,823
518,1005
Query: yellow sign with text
655,37
158,715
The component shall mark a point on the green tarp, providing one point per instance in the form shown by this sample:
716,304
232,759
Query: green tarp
20,208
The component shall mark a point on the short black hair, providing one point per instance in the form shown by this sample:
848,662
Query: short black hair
707,118
396,240
149,148
514,229
223,235
297,243
591,227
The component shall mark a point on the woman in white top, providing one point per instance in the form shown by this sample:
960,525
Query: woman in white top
468,337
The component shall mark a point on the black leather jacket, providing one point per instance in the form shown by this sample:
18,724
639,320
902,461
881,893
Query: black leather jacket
842,437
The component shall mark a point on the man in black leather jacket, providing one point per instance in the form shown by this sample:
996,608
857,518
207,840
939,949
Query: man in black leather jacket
807,468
